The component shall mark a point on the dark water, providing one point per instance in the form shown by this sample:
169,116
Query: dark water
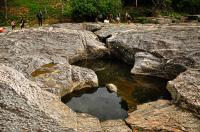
132,90
100,103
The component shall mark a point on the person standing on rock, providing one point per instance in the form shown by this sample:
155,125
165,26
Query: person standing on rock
128,18
39,17
22,23
118,18
13,25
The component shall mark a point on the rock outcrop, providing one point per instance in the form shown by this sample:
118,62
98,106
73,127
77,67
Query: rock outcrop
161,115
154,49
80,26
26,107
30,49
55,42
41,59
185,90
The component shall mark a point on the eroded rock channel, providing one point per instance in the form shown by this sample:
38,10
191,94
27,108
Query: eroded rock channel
36,71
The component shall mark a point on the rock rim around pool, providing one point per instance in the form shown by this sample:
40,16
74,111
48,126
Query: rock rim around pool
26,107
158,50
62,79
23,101
185,90
161,115
31,49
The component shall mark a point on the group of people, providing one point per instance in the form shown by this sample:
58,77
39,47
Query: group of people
22,24
111,19
22,21
100,17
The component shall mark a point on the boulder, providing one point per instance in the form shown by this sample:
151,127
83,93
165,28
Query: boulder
26,107
161,48
62,79
161,115
111,87
30,49
115,126
69,44
148,64
185,90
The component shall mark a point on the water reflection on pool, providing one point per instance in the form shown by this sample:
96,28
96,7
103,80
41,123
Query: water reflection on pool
99,103
132,90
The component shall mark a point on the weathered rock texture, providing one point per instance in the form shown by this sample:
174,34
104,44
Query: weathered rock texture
163,51
88,123
80,26
43,55
162,116
185,90
53,42
115,126
30,49
62,79
25,107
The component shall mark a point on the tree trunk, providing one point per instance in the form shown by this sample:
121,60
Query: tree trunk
6,9
136,3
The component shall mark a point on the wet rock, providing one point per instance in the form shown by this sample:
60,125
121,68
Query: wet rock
161,115
111,87
185,90
88,123
26,107
115,126
62,79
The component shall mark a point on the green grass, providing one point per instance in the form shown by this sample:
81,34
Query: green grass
32,6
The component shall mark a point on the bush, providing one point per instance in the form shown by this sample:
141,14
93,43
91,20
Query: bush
87,10
187,6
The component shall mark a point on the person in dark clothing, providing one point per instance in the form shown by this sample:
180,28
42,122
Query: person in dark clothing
22,23
39,17
128,18
99,18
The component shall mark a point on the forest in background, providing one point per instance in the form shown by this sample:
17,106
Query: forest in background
87,10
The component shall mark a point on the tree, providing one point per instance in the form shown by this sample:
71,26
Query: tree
87,10
136,3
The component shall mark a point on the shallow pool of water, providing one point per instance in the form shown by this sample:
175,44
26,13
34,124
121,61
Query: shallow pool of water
100,103
132,90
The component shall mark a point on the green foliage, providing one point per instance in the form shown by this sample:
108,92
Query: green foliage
88,9
83,9
109,6
189,6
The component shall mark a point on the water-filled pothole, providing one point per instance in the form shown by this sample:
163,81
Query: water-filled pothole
132,90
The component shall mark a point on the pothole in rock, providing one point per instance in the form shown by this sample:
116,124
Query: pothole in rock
131,90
